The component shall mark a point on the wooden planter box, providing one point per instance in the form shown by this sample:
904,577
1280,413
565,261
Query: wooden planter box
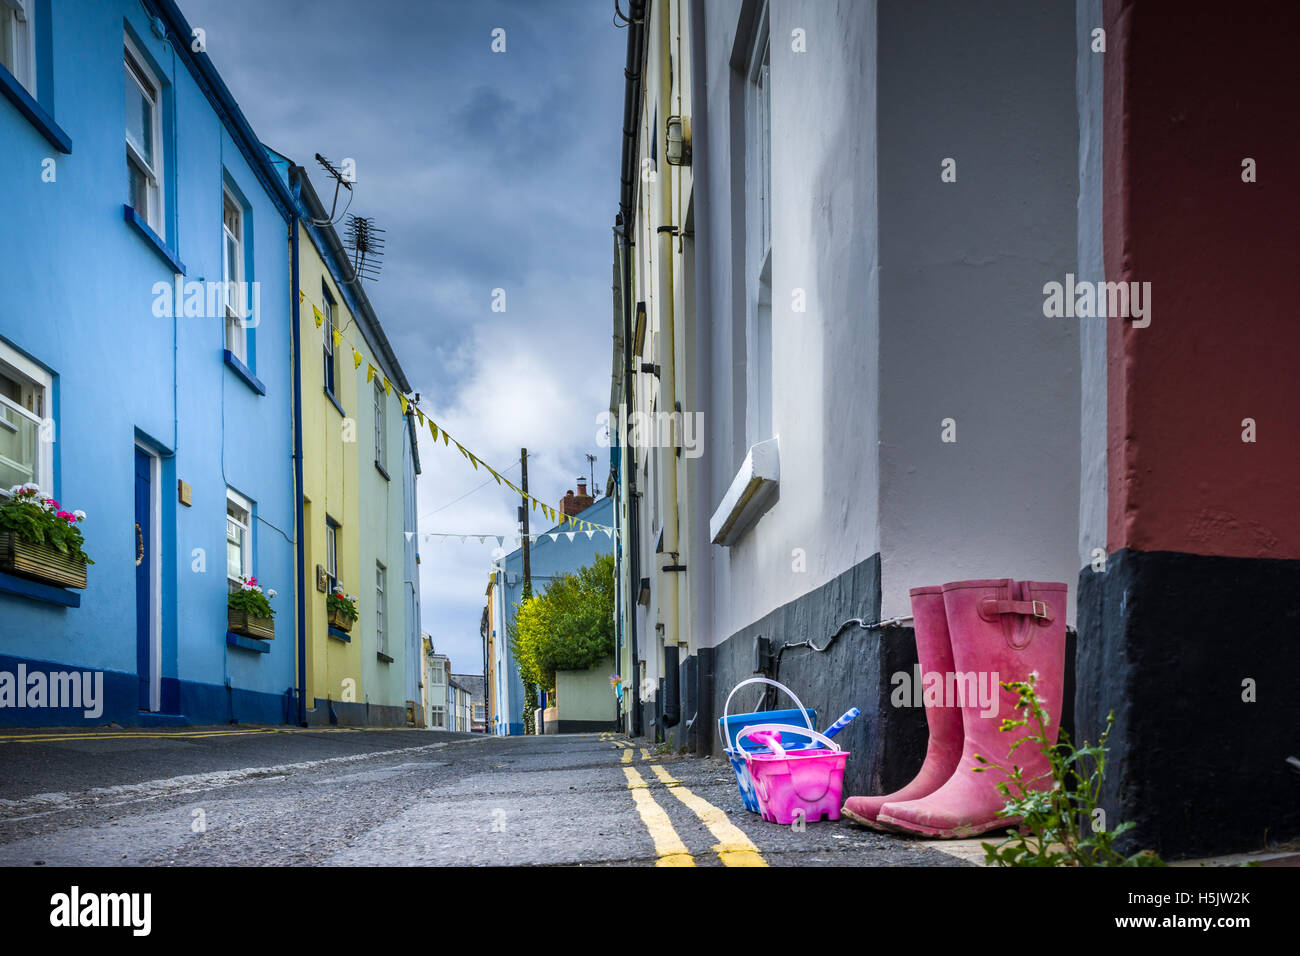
340,620
240,622
40,562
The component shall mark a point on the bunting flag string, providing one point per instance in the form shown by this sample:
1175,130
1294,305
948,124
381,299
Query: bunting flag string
554,515
501,539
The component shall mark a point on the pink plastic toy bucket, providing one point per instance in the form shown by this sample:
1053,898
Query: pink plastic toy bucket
796,785
729,726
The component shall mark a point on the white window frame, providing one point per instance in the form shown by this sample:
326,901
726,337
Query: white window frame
137,68
236,330
331,552
332,377
381,425
437,716
28,374
233,497
381,575
18,41
758,235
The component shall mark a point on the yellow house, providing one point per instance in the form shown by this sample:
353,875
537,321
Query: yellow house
358,495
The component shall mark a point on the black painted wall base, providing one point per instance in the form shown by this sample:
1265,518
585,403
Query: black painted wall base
1173,643
580,726
351,714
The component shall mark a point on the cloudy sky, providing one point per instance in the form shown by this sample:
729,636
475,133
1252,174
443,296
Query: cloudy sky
489,170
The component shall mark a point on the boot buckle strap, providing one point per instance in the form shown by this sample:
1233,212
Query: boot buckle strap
990,608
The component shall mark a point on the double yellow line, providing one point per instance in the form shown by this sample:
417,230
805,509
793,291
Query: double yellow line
733,848
140,733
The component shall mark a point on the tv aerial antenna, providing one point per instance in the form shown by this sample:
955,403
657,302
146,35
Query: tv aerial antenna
366,241
341,181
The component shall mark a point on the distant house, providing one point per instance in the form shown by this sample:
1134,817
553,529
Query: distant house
437,676
554,553
475,686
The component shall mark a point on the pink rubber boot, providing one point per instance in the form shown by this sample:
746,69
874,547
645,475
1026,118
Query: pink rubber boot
934,652
1001,631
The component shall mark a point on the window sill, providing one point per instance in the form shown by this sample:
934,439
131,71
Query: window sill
753,491
380,468
155,240
339,635
383,657
335,402
244,372
44,123
36,591
247,643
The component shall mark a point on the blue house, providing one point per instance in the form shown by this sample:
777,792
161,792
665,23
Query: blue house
145,368
553,554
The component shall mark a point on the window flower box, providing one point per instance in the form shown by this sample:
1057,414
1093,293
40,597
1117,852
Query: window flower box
249,611
40,562
41,541
341,609
245,623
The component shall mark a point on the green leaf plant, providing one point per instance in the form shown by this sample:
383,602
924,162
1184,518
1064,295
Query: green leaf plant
1056,824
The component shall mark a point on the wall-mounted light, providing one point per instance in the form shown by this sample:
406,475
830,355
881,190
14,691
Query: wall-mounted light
678,149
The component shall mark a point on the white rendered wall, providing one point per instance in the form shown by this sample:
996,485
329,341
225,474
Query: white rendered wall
962,267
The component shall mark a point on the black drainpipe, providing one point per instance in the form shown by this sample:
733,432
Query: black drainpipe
632,72
297,473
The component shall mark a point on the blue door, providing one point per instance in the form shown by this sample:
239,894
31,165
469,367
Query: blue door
143,575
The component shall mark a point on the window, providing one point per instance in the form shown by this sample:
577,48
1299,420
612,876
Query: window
438,716
331,551
380,574
381,446
239,539
437,673
18,42
144,154
758,237
232,274
328,327
26,447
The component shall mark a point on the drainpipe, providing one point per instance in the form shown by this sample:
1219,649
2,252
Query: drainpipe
669,587
297,471
629,173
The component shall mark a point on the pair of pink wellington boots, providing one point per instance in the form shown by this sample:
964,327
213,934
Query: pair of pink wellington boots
972,636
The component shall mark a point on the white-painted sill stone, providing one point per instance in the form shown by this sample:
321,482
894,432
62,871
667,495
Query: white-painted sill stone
752,493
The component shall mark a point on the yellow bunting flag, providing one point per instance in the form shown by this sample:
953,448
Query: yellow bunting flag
421,417
338,338
433,429
302,297
319,318
357,359
402,398
388,386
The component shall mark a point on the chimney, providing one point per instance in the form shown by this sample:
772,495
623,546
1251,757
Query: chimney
574,504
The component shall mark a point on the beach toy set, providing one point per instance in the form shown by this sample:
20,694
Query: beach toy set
785,770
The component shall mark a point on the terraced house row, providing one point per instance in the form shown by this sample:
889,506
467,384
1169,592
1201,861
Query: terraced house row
188,358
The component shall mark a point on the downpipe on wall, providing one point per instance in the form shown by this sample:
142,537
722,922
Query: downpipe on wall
633,73
669,582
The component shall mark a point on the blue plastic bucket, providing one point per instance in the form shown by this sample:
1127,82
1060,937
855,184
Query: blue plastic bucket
731,725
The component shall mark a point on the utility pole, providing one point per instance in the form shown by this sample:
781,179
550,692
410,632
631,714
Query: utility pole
528,568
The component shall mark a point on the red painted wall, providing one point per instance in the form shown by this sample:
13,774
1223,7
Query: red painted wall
1191,89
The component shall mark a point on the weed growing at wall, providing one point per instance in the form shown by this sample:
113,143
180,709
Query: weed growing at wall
1061,826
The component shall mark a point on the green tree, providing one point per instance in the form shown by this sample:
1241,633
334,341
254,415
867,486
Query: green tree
570,626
